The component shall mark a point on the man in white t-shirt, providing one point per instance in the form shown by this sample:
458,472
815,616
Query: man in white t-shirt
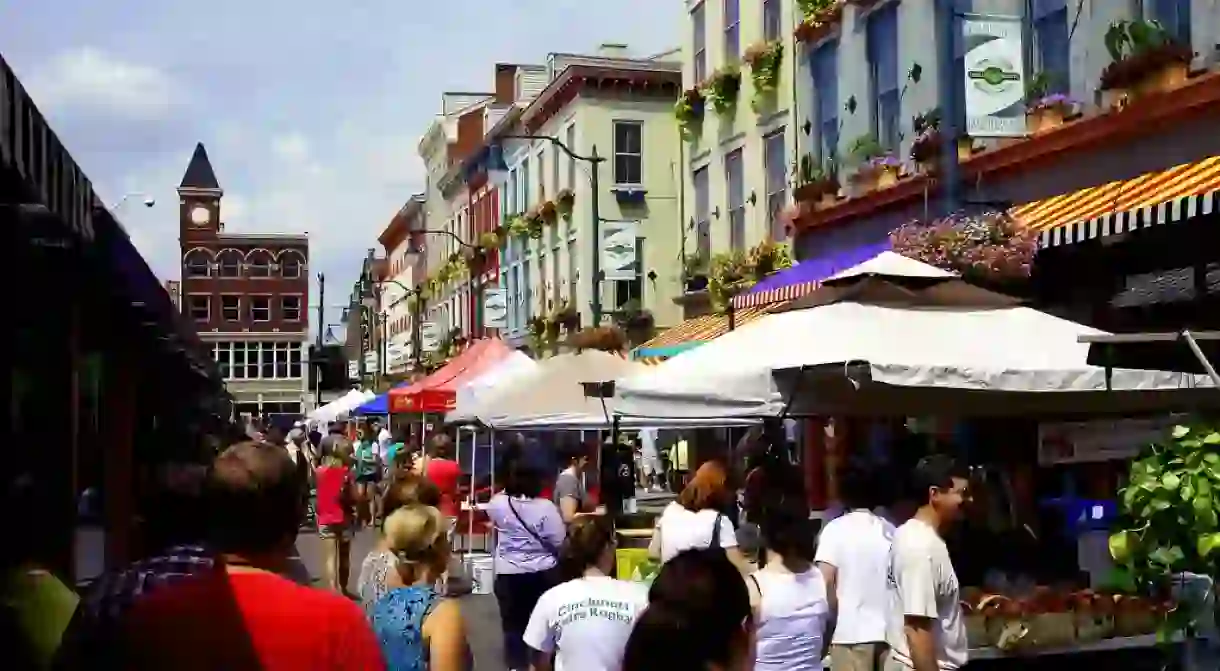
854,557
925,628
588,620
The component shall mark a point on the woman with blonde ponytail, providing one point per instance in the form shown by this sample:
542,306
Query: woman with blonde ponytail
417,628
584,623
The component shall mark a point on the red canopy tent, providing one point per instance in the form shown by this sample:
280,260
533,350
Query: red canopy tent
437,392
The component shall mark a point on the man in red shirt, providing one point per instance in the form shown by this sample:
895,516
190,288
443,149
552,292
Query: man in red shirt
445,473
244,614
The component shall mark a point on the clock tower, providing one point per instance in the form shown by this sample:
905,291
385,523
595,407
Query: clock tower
199,200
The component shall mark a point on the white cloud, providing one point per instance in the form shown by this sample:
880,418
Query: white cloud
93,81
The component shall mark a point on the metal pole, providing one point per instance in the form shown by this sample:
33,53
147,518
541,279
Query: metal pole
595,162
1198,352
952,116
321,306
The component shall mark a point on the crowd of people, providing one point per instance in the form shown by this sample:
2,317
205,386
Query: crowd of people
223,589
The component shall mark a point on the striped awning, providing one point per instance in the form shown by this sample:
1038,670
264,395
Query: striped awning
1179,193
784,294
694,332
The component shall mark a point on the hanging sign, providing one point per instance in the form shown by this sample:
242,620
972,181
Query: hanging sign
618,250
994,75
1100,440
429,336
495,309
371,363
353,370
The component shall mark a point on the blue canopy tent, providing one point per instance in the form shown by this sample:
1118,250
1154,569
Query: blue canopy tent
380,405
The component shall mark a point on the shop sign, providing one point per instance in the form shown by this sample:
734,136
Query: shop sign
1100,440
994,70
371,362
618,250
495,309
353,370
429,336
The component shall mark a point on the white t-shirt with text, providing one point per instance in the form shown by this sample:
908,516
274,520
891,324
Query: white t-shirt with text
923,583
857,544
682,530
586,622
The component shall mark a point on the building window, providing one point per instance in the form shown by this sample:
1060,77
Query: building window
1049,25
260,264
526,203
628,153
570,140
555,154
1173,15
200,307
776,160
222,353
772,19
698,18
197,263
511,201
290,265
541,158
630,293
259,360
290,308
230,263
825,68
260,308
703,224
735,186
732,31
527,292
573,270
882,44
230,308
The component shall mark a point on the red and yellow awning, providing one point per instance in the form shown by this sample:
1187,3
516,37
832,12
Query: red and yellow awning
694,332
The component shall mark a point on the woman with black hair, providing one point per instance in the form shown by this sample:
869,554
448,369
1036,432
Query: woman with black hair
585,622
698,618
529,531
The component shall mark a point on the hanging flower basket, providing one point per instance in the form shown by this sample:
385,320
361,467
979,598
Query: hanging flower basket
566,317
601,338
565,200
767,257
730,275
534,223
689,109
548,211
764,59
518,226
820,17
1144,59
990,248
722,88
817,185
491,240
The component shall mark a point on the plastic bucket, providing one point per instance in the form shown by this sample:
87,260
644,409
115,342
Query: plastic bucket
481,569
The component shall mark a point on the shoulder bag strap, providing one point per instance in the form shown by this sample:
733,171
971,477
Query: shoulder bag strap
530,530
716,532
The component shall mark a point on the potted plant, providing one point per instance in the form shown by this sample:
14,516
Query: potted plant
722,88
876,168
548,212
518,226
764,59
729,275
637,322
694,272
767,257
817,184
564,202
491,240
1045,109
566,316
688,110
534,223
601,338
989,248
818,17
926,147
1144,58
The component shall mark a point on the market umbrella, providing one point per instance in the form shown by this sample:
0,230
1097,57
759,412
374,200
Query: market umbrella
899,337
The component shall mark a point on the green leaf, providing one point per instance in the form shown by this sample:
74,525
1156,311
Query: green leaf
1212,438
1167,556
1201,505
1202,486
1208,544
1171,481
1160,504
1209,520
1180,431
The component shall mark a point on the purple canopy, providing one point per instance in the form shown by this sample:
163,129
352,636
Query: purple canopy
792,282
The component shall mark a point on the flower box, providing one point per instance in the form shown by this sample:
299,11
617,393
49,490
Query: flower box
689,108
819,24
1048,112
548,211
565,200
722,88
1145,58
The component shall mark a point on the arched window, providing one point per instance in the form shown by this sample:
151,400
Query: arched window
260,263
197,263
291,264
229,263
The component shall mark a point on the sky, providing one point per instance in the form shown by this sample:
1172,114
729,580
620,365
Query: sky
311,111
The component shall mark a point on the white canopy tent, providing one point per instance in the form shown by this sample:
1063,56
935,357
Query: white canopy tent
895,336
340,407
504,377
553,397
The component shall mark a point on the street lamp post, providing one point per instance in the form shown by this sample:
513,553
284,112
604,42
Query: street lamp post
594,162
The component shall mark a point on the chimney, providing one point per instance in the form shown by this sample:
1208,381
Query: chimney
612,50
506,83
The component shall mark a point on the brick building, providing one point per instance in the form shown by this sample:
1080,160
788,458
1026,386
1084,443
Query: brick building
248,295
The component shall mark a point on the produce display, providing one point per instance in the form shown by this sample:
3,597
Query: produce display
1051,618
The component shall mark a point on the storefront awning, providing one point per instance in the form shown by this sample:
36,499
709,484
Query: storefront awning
1179,193
694,332
802,278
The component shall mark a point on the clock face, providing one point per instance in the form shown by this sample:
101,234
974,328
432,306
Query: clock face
200,215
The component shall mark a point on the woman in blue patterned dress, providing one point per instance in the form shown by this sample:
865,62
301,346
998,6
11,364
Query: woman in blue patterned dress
417,628
378,571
